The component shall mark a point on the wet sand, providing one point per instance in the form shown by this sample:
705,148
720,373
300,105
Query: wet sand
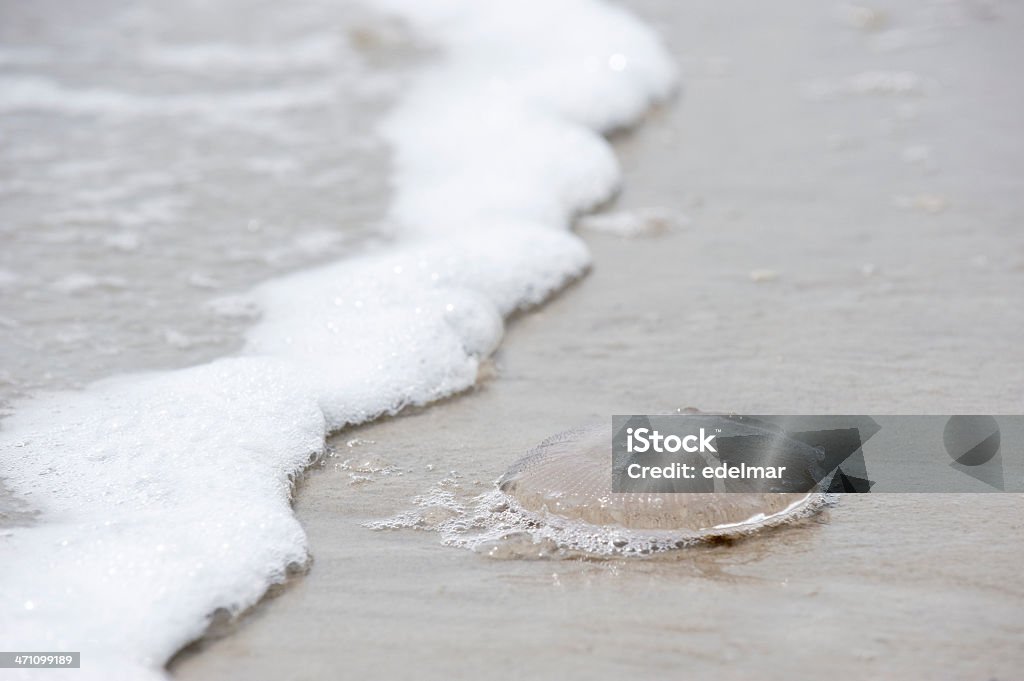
857,253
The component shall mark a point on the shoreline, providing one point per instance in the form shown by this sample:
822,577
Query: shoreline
810,293
187,500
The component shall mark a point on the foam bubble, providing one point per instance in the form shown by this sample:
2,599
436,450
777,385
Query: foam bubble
495,524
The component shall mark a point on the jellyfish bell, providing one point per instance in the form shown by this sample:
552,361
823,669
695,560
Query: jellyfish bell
567,480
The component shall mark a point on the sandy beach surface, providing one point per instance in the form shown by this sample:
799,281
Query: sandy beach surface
845,191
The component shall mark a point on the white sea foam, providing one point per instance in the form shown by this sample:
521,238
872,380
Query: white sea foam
165,497
496,525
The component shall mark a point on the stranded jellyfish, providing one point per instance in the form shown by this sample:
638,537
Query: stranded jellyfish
564,485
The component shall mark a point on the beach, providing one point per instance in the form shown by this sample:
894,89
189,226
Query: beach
839,197
232,230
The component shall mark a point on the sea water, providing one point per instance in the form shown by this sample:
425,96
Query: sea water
158,162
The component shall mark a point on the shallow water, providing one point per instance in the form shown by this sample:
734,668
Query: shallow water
160,158
164,496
